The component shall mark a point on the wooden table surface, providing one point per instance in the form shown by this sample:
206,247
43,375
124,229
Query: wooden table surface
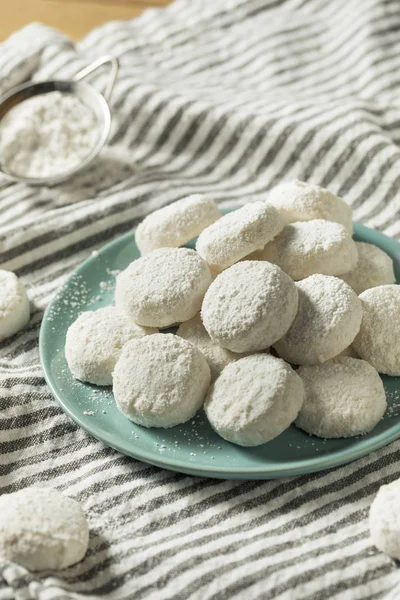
73,17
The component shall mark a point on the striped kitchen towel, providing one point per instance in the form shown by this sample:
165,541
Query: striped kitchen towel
227,97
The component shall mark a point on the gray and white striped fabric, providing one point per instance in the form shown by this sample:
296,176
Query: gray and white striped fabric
226,97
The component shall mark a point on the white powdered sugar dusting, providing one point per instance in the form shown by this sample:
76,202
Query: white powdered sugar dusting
374,267
328,319
14,304
160,380
343,398
306,248
254,400
300,201
177,223
217,357
40,528
378,339
238,234
47,135
163,287
95,340
249,306
384,520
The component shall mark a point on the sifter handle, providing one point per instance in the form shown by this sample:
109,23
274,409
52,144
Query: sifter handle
94,66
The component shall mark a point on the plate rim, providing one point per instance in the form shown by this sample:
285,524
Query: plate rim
317,463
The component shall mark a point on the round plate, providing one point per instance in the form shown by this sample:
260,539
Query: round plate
194,447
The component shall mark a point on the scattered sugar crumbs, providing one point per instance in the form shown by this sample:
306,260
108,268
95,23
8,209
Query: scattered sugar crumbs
393,399
192,440
78,296
74,297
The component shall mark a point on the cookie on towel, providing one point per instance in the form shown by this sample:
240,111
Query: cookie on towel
384,519
14,305
41,528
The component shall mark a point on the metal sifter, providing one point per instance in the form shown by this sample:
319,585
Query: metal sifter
98,102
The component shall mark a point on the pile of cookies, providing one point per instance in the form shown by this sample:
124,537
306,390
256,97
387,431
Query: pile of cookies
271,286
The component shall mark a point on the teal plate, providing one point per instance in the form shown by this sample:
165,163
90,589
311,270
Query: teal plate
193,448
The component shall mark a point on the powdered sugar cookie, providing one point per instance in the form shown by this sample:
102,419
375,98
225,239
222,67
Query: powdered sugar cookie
374,267
254,400
249,306
327,321
217,357
342,398
42,529
176,224
384,519
306,248
95,340
378,339
237,234
164,287
14,305
300,201
347,352
160,380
